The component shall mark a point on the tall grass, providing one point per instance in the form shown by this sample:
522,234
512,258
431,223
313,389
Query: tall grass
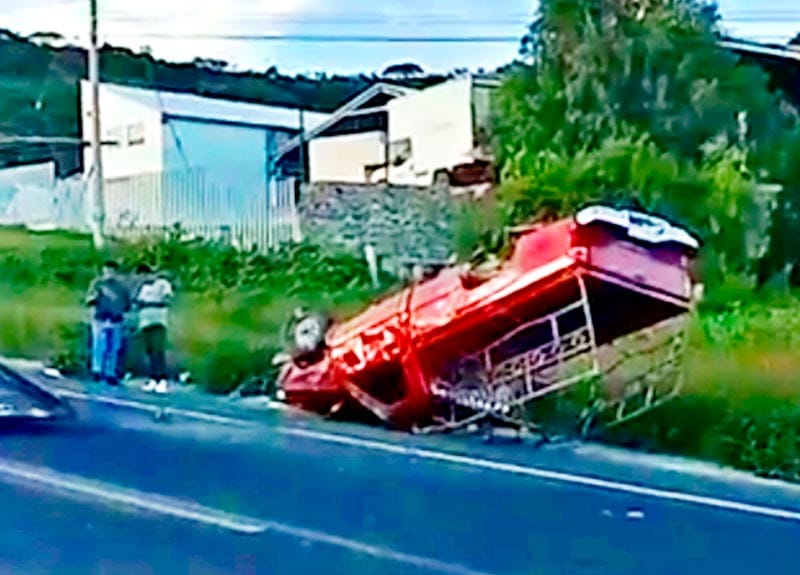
741,402
740,405
225,326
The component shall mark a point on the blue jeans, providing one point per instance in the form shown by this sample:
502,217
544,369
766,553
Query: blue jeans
106,345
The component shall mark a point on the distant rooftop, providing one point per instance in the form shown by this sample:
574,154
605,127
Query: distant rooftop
185,105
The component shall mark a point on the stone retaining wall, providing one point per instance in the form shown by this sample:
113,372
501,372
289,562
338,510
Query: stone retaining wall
400,222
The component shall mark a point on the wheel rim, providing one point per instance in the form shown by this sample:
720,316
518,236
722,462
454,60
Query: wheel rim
308,334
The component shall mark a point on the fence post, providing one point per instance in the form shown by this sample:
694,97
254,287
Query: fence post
372,262
297,233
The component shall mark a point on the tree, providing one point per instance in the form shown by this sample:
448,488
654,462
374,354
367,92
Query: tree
795,41
211,64
406,70
47,38
620,99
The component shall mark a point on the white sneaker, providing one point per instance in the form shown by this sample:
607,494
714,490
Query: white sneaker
162,387
151,385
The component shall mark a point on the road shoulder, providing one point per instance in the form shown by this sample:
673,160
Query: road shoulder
583,464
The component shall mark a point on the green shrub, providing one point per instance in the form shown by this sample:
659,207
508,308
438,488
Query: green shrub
230,363
228,314
762,436
71,356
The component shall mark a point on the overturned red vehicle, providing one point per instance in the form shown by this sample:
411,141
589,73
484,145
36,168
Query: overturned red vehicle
470,343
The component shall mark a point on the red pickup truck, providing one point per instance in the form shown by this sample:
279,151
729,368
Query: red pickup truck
469,343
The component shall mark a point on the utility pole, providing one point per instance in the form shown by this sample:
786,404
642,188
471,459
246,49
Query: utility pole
98,214
302,151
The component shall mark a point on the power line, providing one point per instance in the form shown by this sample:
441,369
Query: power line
354,38
448,18
334,16
316,19
327,38
372,16
766,17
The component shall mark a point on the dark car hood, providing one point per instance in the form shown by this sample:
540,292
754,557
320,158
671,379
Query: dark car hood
21,398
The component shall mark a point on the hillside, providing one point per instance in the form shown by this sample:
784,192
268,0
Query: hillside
40,89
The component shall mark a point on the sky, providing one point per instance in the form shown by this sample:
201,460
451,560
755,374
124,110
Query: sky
180,30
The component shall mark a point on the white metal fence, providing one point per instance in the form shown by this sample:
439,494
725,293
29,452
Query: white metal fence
31,196
247,214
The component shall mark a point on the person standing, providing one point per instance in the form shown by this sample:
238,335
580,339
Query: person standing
153,299
129,329
109,300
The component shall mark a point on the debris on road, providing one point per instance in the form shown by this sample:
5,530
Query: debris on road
635,514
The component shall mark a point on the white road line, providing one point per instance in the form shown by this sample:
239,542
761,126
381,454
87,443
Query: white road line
546,474
475,462
110,494
113,494
433,565
152,408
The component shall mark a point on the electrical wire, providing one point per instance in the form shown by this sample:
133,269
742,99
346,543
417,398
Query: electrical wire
326,38
738,15
352,38
317,20
412,20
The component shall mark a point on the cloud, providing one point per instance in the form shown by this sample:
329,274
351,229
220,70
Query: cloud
127,23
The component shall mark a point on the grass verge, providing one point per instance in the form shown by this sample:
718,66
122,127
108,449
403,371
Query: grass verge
740,407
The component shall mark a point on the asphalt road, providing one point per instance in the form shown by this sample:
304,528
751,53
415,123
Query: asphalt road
117,492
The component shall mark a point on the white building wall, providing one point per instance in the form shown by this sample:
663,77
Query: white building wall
430,130
344,158
134,123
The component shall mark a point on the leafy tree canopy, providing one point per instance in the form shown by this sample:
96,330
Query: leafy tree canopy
404,70
632,99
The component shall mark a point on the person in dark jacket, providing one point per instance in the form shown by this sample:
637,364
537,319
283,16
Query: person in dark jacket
109,300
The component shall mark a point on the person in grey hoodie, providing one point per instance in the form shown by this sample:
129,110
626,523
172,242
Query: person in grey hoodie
153,298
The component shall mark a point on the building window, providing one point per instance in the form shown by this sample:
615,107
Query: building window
136,134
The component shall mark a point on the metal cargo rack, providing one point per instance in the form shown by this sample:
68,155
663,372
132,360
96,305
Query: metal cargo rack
555,354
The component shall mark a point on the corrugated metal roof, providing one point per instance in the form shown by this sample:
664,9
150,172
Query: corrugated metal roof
350,106
216,109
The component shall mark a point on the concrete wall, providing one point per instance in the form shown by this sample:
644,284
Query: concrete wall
344,158
401,222
135,125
